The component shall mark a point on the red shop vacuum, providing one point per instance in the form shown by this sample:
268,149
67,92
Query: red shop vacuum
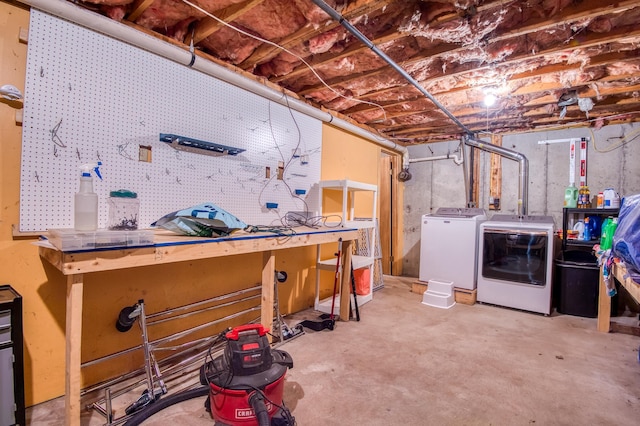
246,381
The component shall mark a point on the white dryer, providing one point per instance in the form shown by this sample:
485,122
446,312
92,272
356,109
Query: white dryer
449,244
515,262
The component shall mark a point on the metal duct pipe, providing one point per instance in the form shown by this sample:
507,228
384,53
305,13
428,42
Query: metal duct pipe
71,12
353,30
523,175
465,174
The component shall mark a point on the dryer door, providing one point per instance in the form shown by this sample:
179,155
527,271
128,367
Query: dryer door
515,255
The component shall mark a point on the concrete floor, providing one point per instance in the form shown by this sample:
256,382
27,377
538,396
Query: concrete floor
406,363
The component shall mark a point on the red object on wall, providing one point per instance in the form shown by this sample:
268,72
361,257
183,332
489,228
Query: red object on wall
362,277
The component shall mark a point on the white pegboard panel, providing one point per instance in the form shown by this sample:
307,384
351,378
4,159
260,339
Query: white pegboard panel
91,98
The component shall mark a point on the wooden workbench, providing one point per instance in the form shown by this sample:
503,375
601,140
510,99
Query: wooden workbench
604,301
171,248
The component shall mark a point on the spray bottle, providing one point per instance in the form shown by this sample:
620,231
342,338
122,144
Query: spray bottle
86,201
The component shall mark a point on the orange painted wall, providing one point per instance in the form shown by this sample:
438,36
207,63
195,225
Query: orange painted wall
345,156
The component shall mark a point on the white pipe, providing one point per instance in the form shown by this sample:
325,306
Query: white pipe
550,141
455,158
93,21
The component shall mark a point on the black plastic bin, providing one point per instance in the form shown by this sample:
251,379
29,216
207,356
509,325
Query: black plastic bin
577,280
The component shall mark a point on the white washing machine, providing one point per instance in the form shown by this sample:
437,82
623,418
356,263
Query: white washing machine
448,246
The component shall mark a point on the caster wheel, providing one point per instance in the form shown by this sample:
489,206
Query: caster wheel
124,323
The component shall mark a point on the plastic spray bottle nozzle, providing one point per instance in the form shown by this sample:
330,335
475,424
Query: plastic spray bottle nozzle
89,167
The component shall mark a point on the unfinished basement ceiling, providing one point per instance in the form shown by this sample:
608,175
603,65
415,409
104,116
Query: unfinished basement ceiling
550,63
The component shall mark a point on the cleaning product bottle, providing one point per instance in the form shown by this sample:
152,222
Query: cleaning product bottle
581,197
571,196
610,231
586,198
587,230
603,230
86,201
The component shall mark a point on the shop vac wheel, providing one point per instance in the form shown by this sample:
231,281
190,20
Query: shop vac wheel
125,323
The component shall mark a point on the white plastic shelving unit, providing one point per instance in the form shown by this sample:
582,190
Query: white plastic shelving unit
348,220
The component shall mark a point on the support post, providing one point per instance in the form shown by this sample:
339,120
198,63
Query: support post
73,349
268,272
604,306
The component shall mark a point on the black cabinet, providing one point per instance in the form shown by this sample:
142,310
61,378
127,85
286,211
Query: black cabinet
568,213
12,410
577,276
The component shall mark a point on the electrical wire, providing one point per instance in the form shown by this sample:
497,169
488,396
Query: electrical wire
284,49
553,127
286,162
283,231
623,141
293,219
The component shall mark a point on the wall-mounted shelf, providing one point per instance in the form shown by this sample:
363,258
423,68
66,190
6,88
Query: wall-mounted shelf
196,146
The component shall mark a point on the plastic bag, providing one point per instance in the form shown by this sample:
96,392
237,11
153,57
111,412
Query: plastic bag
626,240
203,220
362,279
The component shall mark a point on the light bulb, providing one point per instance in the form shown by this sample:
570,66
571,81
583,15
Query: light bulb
490,99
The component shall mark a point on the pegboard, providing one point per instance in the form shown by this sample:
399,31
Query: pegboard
92,98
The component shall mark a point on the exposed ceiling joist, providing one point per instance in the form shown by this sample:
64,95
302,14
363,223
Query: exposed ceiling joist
530,53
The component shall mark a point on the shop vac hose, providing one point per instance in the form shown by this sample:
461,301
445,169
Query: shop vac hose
163,403
256,400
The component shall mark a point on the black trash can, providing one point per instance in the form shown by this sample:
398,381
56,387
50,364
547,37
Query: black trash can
577,281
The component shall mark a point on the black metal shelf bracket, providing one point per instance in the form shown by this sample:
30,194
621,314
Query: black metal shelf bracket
196,146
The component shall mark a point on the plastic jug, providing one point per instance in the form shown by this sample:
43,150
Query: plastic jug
571,196
595,225
579,227
611,199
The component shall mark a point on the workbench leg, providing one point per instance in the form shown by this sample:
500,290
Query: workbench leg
73,350
345,288
268,277
604,306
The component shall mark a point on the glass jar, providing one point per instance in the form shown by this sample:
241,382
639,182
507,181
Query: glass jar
124,208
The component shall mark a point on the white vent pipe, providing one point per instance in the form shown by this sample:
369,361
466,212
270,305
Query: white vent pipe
66,10
454,157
